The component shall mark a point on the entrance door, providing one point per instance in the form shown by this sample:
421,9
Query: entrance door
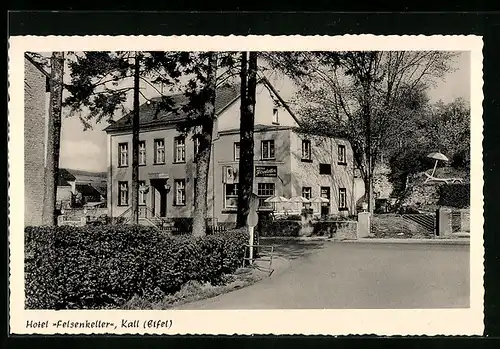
325,207
159,198
163,202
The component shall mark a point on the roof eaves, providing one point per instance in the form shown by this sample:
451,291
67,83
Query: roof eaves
282,101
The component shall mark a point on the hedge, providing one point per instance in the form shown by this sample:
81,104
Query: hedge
279,227
454,195
103,267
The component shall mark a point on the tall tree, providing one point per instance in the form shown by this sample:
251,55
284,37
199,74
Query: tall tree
100,83
53,139
248,75
207,119
360,96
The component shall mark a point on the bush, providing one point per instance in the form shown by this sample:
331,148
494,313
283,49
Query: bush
103,267
281,227
454,195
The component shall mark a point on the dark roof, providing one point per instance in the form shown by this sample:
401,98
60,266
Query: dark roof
259,128
64,177
150,115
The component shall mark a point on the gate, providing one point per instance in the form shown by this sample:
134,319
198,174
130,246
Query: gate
425,220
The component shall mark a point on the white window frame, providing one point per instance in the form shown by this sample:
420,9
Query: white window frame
304,190
123,154
270,155
179,149
142,152
306,153
236,154
264,191
233,195
122,193
342,154
196,145
342,198
159,157
142,193
180,192
275,115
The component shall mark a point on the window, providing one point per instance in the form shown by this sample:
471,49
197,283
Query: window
179,149
325,192
180,192
325,207
123,154
159,151
342,157
142,193
231,195
275,116
325,169
265,190
306,150
122,193
267,149
236,151
196,145
307,192
342,199
142,153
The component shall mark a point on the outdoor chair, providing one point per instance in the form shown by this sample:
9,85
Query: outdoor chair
444,180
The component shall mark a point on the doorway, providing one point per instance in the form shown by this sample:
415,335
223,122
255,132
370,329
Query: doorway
159,197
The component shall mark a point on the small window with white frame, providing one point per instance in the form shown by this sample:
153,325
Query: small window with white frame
159,151
180,192
122,193
142,193
306,150
267,150
179,149
236,151
264,191
275,115
142,153
196,145
342,198
307,192
123,154
342,155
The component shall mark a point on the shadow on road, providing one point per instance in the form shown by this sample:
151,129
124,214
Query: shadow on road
293,249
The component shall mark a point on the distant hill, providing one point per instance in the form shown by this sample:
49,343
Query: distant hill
88,176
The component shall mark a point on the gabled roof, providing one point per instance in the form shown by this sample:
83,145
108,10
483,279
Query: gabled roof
87,190
150,115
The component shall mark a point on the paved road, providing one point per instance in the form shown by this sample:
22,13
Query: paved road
355,275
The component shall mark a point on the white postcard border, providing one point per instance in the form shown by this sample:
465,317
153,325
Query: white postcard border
329,321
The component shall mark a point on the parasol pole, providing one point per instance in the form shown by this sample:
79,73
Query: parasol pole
435,166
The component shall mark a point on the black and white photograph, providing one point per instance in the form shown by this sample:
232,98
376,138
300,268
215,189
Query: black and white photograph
341,178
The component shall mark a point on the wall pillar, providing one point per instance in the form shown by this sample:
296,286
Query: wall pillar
443,216
364,225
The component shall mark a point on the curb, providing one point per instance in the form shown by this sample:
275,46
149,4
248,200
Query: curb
410,241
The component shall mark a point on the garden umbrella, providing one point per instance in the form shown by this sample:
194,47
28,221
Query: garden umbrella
300,199
276,199
320,200
437,156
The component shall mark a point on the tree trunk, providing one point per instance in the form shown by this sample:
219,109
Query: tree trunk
53,139
203,156
245,168
135,145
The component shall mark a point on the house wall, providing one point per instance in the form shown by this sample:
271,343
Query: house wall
306,174
224,156
186,170
35,116
264,105
64,194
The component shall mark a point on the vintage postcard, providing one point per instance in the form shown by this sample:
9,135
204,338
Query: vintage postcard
246,185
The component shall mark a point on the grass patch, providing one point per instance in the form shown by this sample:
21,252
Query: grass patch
194,290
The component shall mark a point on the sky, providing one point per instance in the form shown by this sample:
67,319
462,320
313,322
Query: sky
86,150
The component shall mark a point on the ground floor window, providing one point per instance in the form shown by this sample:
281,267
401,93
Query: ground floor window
231,195
264,191
325,207
180,192
342,198
122,193
142,193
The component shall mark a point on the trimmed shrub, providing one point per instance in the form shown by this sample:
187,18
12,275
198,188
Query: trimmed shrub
454,195
103,267
279,227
